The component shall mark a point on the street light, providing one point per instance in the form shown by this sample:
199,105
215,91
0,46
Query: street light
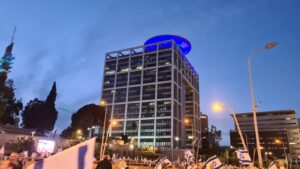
267,46
219,107
112,123
79,134
103,103
199,146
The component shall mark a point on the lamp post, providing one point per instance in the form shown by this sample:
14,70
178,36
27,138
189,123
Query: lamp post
103,103
112,123
268,46
199,146
219,107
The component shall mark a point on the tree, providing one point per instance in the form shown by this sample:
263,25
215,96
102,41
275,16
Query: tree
41,115
86,117
32,115
9,106
50,112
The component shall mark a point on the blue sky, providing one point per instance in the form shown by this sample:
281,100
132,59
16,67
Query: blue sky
65,41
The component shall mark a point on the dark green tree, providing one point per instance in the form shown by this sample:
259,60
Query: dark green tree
50,112
87,116
32,116
9,105
41,115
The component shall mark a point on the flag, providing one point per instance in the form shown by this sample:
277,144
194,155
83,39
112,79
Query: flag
214,162
272,165
163,163
188,156
79,156
2,151
244,157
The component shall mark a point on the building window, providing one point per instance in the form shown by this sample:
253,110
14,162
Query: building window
179,94
175,59
107,95
164,74
163,108
149,76
123,65
179,79
150,60
118,129
163,127
120,95
147,128
110,67
175,111
133,110
148,109
132,128
109,81
165,58
147,142
163,142
119,111
175,75
135,78
148,92
175,91
136,63
122,79
164,90
134,93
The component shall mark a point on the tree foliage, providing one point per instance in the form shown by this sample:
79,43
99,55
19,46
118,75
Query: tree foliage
41,115
9,105
87,116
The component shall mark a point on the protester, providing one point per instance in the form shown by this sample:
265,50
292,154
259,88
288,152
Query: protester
200,164
104,164
10,164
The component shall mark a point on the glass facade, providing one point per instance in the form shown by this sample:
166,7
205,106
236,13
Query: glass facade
133,110
134,93
148,109
146,92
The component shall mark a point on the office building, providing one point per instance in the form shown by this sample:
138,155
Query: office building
278,131
152,91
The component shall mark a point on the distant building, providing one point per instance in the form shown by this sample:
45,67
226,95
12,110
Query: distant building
204,122
279,125
152,91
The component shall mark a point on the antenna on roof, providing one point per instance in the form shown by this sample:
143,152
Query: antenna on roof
12,39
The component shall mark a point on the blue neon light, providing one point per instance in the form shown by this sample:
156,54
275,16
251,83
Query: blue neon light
181,42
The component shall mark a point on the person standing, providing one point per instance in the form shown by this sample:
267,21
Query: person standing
104,164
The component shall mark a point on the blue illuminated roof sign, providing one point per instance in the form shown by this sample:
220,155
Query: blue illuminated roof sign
184,45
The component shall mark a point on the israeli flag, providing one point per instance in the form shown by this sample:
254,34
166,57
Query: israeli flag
188,156
244,157
163,163
214,162
79,156
272,165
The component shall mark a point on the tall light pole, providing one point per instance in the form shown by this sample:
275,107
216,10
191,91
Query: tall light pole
268,46
219,107
103,103
111,124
